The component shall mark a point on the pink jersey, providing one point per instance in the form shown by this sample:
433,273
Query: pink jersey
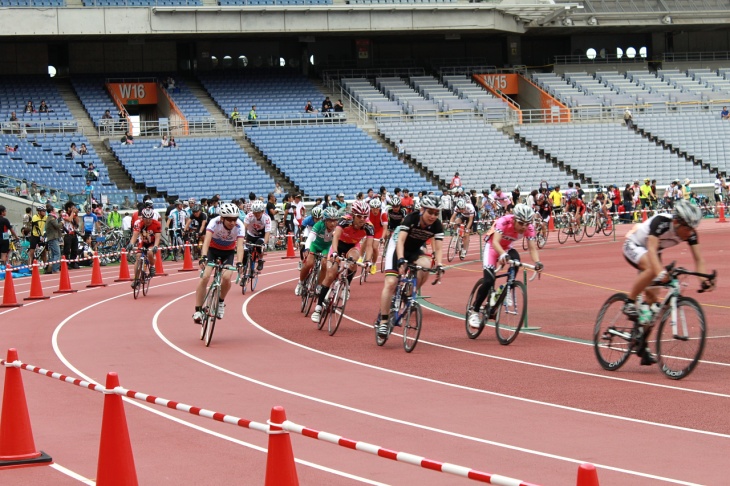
506,227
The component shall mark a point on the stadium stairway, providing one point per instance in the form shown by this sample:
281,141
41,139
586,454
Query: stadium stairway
199,92
85,123
534,148
371,130
285,182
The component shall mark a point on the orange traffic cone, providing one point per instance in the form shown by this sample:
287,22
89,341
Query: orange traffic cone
643,215
187,260
280,468
9,299
159,271
64,284
551,224
36,287
587,475
17,447
123,268
96,280
116,461
721,207
290,247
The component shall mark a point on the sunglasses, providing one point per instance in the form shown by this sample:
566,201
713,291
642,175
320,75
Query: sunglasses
433,212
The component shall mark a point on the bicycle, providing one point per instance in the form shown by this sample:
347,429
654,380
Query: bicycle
18,254
212,300
250,273
507,305
541,233
173,246
569,227
405,306
309,293
142,275
333,307
596,221
681,324
456,244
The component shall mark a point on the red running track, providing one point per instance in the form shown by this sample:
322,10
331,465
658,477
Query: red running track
533,410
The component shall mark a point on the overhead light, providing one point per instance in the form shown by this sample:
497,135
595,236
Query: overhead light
592,21
666,19
567,21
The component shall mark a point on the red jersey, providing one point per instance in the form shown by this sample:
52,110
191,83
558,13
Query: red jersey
147,233
576,205
379,222
352,236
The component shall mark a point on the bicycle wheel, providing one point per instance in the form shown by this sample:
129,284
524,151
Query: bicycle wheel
608,227
145,283
451,252
680,350
542,237
205,312
305,292
311,290
411,326
382,262
612,334
511,310
364,275
562,235
578,232
473,333
459,248
136,282
590,228
254,280
243,282
14,259
211,310
337,307
524,243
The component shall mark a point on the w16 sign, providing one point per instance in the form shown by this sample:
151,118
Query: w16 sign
135,93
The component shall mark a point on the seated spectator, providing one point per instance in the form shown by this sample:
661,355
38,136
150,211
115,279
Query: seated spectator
83,150
72,151
43,108
9,149
164,143
628,119
170,83
53,197
309,108
127,139
41,197
724,114
29,108
252,116
173,143
326,105
235,117
13,117
339,107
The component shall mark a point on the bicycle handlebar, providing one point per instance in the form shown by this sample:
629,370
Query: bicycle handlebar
517,263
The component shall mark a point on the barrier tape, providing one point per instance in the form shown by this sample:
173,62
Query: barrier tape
287,426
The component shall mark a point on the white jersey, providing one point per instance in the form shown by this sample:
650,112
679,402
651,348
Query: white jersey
718,186
662,227
223,238
178,218
257,227
466,212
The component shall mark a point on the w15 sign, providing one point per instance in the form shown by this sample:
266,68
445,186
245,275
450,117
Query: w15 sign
135,93
506,83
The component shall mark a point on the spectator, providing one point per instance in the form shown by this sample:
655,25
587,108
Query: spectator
401,150
455,181
88,191
278,189
628,119
170,82
339,107
90,221
53,199
70,237
41,197
127,225
686,190
235,117
309,108
406,201
73,152
446,204
164,143
107,121
653,196
326,202
252,117
114,219
340,203
628,200
299,212
29,108
13,117
173,143
326,106
127,139
27,217
6,232
43,107
724,114
37,230
54,233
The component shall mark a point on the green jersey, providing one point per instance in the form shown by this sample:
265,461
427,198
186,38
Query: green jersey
322,238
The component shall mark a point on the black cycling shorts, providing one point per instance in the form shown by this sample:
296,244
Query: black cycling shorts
226,256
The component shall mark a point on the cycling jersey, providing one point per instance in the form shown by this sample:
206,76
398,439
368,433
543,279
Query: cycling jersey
575,206
506,227
308,222
544,208
379,222
257,227
465,213
503,199
322,238
197,222
178,218
222,237
352,236
417,235
662,227
147,233
395,217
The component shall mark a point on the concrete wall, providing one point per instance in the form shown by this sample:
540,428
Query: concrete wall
16,209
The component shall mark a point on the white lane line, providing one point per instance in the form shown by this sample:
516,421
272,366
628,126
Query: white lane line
421,426
79,374
72,474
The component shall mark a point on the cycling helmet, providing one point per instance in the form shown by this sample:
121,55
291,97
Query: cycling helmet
416,206
148,213
374,203
540,197
177,201
342,194
360,208
115,206
599,190
40,207
688,213
258,206
149,204
317,213
228,210
573,195
331,213
196,208
460,204
395,201
523,213
429,202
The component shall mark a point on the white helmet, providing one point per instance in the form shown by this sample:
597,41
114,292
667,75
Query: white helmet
228,210
429,202
258,206
460,204
375,203
523,213
688,213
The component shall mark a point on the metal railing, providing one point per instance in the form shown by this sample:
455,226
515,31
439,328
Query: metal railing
289,119
607,59
24,127
696,56
57,197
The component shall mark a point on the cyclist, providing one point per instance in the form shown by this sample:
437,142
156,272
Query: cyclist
318,241
148,231
176,222
407,246
379,220
258,229
578,208
395,215
306,228
196,223
223,239
498,249
601,202
464,212
643,249
346,242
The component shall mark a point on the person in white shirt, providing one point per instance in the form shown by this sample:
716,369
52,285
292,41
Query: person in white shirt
127,225
719,186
